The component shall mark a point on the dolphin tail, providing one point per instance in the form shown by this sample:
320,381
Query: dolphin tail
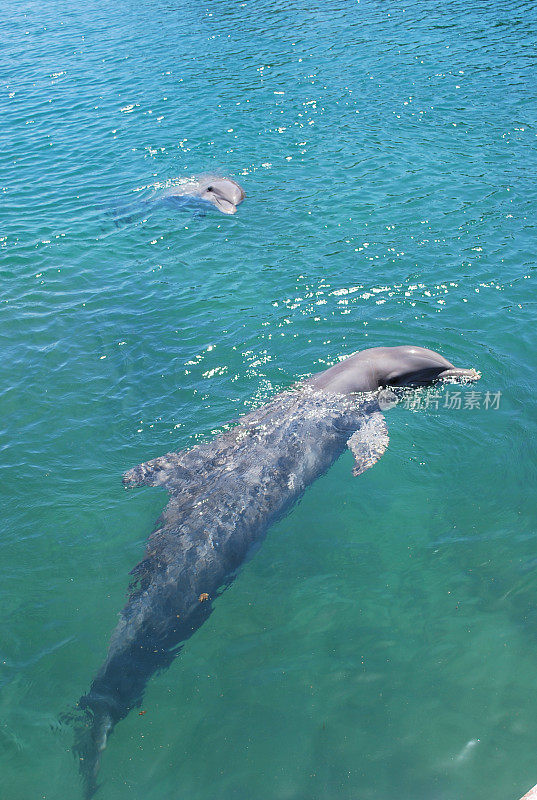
91,736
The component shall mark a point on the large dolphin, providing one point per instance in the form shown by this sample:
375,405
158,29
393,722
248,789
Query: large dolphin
224,495
224,193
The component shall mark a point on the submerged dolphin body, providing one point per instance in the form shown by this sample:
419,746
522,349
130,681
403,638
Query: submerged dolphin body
224,193
224,495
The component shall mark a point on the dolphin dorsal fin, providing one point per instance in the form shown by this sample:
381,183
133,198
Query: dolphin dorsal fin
369,442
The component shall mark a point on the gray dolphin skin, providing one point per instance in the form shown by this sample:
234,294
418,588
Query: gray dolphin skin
224,193
224,495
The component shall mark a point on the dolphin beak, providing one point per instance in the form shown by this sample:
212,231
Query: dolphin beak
225,206
459,374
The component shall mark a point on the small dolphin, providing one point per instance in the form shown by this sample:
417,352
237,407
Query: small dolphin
224,495
466,751
224,193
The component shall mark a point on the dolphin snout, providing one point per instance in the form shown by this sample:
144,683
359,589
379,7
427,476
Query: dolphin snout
458,373
225,206
235,194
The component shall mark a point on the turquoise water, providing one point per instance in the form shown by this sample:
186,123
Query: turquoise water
383,641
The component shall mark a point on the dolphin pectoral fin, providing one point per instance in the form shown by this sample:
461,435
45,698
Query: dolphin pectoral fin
157,472
369,442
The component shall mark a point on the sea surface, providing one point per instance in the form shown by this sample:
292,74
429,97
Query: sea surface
383,641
